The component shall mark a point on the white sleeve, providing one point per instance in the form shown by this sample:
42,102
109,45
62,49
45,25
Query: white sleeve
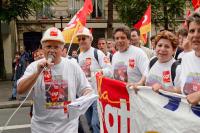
142,61
177,80
32,68
104,63
146,72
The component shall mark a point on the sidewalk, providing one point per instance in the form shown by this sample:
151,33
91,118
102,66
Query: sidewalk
5,93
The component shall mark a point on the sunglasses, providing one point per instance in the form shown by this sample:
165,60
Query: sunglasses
83,39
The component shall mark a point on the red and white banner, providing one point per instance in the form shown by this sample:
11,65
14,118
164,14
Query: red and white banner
122,111
113,106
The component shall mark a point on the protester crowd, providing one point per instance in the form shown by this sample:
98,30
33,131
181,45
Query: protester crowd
172,63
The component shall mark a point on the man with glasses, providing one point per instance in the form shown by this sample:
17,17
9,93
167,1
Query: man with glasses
56,83
91,60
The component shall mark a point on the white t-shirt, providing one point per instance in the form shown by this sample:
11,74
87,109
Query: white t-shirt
150,53
90,65
160,73
181,54
189,79
129,66
71,58
68,80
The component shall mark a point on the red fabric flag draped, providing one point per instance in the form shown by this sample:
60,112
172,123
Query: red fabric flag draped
77,21
196,4
144,24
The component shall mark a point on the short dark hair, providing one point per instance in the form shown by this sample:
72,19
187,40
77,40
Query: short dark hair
17,53
101,39
153,37
123,29
66,46
138,31
182,32
194,17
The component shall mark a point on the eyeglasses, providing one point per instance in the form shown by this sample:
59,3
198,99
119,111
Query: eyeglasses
83,39
53,47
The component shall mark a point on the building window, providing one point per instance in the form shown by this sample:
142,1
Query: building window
45,13
75,5
97,9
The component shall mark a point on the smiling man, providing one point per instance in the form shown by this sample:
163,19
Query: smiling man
129,62
56,82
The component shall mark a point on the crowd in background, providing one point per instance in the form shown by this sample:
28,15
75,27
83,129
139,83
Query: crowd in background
172,63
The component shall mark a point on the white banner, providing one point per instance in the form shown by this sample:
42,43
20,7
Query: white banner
160,113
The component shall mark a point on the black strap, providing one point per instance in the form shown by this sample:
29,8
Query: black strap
69,57
96,55
111,57
152,62
173,69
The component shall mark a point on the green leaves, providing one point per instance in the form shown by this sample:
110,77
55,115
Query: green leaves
11,9
164,12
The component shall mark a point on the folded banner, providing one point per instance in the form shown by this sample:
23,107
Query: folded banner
123,111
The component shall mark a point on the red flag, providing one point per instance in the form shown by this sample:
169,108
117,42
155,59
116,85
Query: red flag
77,21
144,24
81,15
196,4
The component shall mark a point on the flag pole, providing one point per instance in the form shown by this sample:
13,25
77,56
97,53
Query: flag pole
150,40
76,28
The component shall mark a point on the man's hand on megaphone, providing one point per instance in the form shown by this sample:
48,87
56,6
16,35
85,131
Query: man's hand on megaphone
45,63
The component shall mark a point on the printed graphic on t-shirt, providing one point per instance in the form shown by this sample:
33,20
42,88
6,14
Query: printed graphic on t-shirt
56,93
192,83
85,65
106,60
120,72
152,79
166,76
131,63
47,76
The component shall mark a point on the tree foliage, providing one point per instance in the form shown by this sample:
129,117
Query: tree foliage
164,12
11,10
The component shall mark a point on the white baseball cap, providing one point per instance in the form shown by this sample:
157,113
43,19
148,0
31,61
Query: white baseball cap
84,31
53,34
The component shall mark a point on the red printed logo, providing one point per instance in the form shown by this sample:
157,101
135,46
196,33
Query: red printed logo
131,63
54,32
166,76
47,76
